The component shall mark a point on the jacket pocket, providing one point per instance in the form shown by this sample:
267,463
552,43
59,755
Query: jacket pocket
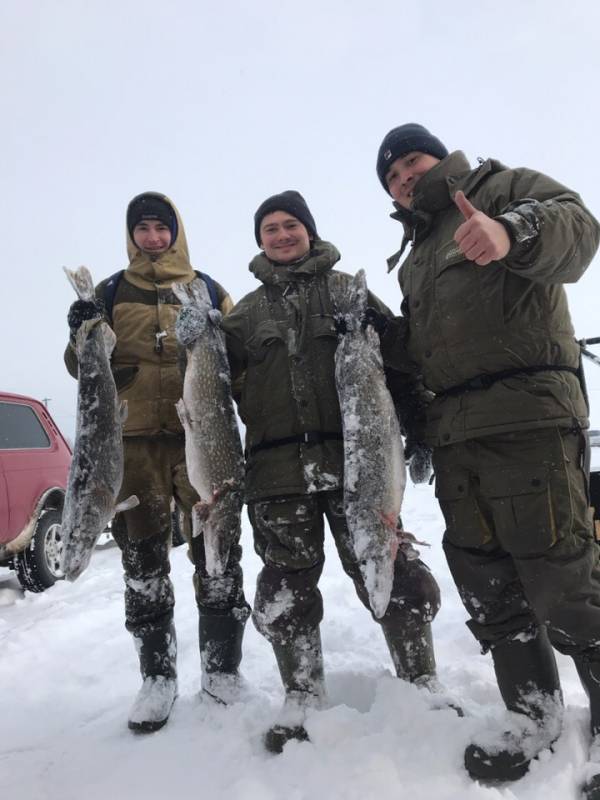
531,507
466,523
266,373
125,377
266,335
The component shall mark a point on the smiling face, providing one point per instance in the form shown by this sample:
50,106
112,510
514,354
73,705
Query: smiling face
404,174
283,237
152,236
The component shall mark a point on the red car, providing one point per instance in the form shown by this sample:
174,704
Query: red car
34,466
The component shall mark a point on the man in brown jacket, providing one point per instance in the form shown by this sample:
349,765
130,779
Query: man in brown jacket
281,340
490,329
141,308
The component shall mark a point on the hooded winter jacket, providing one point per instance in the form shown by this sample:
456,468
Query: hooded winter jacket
282,339
466,320
146,358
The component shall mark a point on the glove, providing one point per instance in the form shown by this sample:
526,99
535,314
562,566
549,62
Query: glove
190,323
80,311
341,327
418,457
376,319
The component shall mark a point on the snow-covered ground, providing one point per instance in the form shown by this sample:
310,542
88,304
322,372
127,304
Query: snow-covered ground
68,673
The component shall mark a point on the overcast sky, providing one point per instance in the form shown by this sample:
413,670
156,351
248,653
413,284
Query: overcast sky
220,104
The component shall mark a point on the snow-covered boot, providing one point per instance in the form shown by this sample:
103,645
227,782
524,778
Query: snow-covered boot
300,665
220,637
157,651
411,650
528,681
413,657
589,674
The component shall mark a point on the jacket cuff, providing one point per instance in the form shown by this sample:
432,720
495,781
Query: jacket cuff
522,224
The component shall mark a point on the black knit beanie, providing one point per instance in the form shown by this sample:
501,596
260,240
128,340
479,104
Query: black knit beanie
406,139
292,203
151,205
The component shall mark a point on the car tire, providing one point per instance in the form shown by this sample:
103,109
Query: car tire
38,566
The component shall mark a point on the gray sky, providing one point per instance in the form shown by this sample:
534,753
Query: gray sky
221,104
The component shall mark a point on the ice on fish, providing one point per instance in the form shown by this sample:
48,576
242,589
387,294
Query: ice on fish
96,471
374,466
213,446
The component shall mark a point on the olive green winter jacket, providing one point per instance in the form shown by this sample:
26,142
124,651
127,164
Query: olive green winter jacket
146,358
466,320
282,339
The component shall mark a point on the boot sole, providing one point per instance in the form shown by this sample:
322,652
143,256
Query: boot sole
276,739
147,726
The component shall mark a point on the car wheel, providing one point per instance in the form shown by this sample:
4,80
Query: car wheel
38,566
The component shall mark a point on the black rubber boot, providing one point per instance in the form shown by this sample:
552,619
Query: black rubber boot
411,650
157,651
589,673
528,681
414,660
220,637
300,665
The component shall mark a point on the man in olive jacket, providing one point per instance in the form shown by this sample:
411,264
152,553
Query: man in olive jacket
141,308
281,340
490,329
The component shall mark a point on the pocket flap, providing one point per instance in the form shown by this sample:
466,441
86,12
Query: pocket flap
451,485
323,326
514,481
265,333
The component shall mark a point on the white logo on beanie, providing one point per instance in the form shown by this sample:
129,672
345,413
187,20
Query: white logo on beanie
387,155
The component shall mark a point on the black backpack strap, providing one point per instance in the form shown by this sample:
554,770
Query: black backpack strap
211,286
110,289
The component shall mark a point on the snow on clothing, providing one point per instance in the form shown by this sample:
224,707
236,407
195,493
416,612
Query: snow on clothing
288,535
281,340
510,459
467,320
149,377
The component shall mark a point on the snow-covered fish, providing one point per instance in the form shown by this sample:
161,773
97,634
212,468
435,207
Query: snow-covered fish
96,471
213,447
374,466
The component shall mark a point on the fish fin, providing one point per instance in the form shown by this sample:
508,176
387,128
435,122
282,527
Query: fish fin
110,338
126,505
182,293
215,316
81,280
356,298
183,413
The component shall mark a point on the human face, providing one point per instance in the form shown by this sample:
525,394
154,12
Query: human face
283,237
404,174
152,236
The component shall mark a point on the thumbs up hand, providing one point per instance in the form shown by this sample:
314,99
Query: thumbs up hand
480,238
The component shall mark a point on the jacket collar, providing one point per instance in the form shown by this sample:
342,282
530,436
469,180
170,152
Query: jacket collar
321,258
435,192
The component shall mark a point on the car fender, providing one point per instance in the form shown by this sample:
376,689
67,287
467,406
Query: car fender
51,498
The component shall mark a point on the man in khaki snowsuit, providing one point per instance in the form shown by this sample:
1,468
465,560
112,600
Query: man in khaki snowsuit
141,308
281,340
490,329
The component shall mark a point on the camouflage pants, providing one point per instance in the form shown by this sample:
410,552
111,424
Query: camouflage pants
155,471
289,538
519,537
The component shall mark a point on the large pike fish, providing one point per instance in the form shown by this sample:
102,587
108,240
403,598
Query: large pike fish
374,466
213,448
96,471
